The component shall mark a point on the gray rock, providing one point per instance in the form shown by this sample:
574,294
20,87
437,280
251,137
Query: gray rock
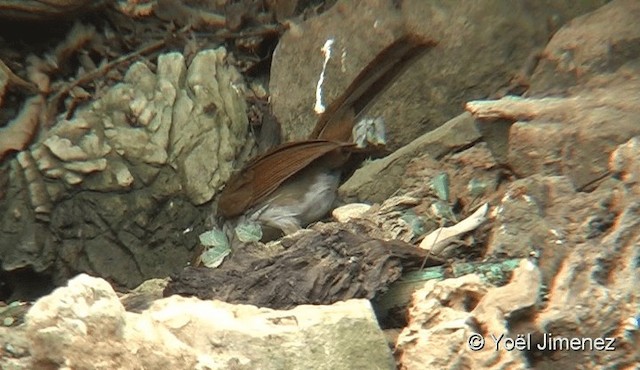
112,190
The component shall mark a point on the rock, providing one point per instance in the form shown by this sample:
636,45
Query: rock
522,218
298,59
595,43
347,331
84,326
585,261
87,307
624,163
88,166
592,299
599,116
379,179
15,348
437,329
350,211
462,67
596,292
214,127
64,149
112,190
444,315
502,311
597,109
473,174
394,219
546,215
144,295
503,306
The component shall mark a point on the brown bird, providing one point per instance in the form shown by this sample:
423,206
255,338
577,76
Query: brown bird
296,183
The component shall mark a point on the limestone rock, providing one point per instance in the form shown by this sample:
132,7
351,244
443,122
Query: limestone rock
586,250
543,140
84,326
435,335
350,211
502,308
545,215
111,190
596,299
15,348
387,221
213,127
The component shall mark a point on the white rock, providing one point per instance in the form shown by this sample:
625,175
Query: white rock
350,211
84,326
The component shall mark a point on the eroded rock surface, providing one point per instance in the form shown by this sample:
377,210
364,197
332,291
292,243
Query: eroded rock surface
596,108
114,191
575,207
444,315
601,41
84,326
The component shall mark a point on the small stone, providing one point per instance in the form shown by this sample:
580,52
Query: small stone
124,177
350,211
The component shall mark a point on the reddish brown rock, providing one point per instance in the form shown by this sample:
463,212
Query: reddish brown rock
595,43
552,133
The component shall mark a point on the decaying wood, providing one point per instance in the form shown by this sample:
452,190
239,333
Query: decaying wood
320,267
181,14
